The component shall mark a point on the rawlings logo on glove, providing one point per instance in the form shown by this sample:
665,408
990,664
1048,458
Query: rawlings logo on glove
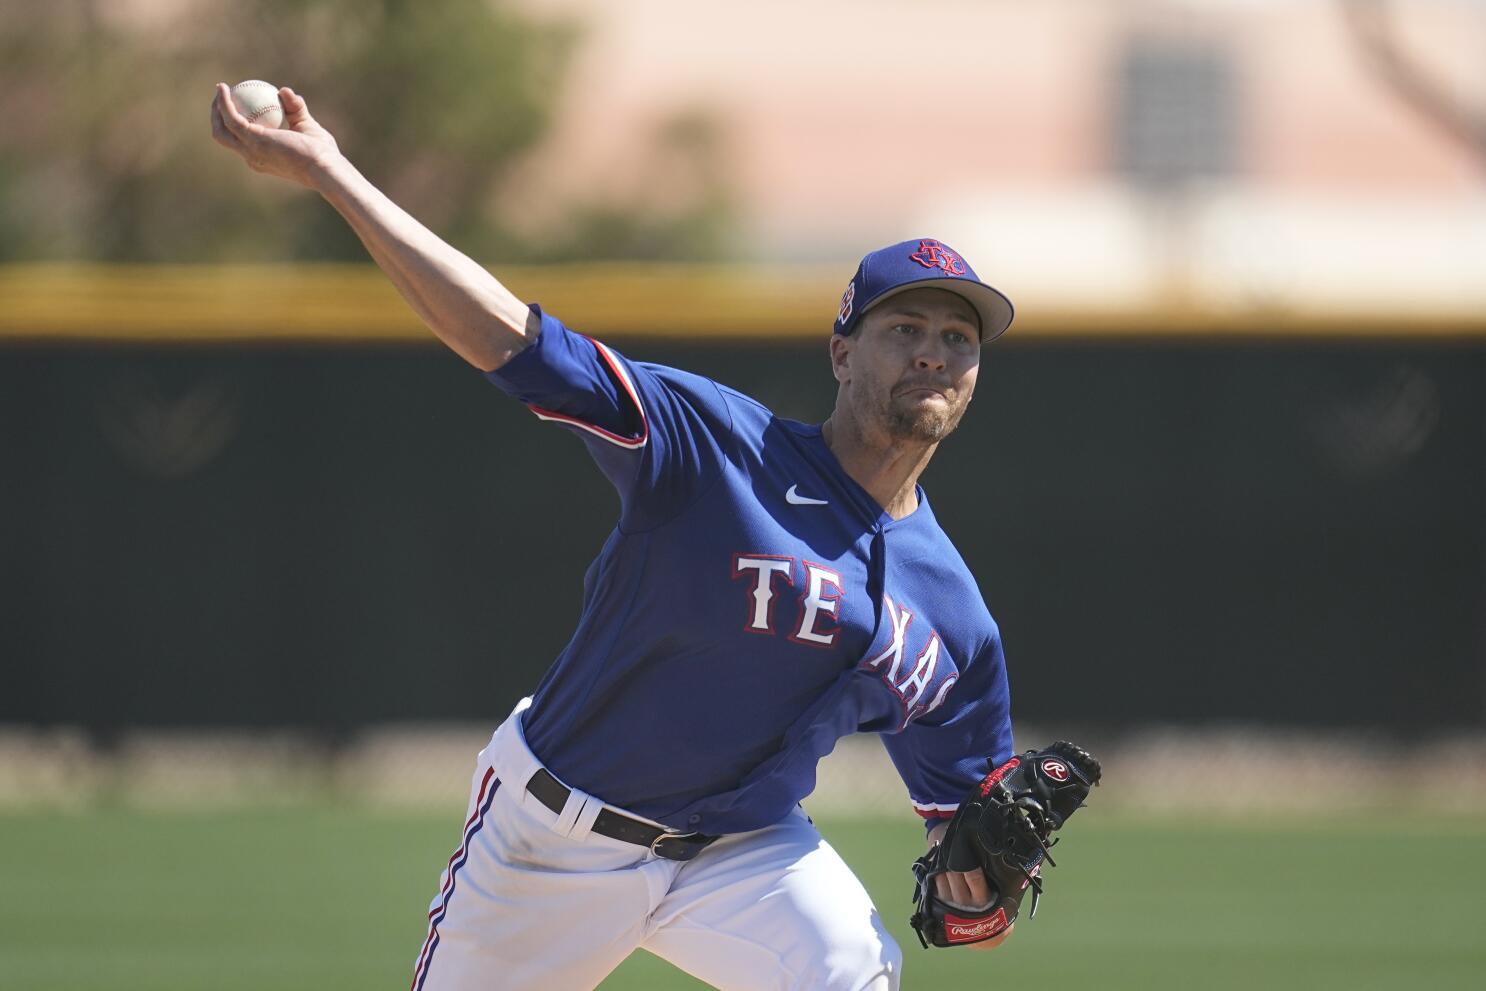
958,930
1002,827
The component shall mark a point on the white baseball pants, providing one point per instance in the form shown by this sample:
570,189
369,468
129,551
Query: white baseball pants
532,899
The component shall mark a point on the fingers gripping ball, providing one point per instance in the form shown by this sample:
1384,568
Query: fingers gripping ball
259,102
1001,827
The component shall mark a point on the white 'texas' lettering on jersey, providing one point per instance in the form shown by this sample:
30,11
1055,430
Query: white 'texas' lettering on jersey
900,619
822,595
921,686
816,601
912,688
765,567
923,674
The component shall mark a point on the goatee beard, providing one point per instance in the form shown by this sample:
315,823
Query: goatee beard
922,427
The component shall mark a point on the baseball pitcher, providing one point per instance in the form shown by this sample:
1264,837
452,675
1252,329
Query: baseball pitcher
769,587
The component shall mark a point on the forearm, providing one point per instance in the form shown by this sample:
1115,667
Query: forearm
463,304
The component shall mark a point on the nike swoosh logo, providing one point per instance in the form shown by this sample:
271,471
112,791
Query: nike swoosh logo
795,499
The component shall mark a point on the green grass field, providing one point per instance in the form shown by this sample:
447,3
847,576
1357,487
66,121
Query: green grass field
334,897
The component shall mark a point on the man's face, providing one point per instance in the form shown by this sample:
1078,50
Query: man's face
910,367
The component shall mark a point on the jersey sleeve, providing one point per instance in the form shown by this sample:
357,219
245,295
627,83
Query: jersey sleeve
940,757
659,435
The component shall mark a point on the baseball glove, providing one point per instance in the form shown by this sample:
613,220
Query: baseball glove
1002,827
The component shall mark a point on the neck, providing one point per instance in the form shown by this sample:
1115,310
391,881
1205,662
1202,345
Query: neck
888,468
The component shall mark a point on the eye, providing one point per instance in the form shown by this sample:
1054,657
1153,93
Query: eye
905,328
957,338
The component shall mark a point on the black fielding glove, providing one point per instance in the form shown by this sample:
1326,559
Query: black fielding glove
1002,827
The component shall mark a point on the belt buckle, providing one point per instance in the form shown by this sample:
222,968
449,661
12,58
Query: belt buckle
655,843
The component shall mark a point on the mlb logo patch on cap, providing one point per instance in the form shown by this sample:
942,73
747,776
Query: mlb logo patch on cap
915,264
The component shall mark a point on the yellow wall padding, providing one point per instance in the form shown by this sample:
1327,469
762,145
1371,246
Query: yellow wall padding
356,304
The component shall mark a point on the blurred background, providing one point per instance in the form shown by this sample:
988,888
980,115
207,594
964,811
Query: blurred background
274,564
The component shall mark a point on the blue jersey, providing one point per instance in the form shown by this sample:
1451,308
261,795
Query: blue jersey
753,605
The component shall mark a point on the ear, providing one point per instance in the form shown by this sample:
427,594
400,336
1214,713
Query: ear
841,346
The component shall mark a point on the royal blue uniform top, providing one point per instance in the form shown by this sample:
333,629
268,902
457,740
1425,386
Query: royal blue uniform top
753,605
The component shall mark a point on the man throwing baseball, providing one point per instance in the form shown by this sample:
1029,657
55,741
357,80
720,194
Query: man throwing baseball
770,587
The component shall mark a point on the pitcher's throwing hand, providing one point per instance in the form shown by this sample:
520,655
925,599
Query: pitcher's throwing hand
293,151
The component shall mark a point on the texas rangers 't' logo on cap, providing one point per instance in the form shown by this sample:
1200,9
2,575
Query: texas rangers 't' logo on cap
932,254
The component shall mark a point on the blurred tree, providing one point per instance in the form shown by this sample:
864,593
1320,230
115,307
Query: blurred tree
107,155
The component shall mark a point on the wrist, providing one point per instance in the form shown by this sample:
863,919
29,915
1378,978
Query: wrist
328,171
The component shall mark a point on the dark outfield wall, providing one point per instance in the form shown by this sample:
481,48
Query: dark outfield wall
1291,534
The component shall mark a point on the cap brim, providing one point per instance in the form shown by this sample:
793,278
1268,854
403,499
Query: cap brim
993,308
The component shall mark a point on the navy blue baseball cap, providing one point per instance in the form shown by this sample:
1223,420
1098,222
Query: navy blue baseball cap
916,264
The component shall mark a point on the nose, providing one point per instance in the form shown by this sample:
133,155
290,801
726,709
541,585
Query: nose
931,355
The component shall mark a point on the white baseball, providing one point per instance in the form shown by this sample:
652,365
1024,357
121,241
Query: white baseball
259,102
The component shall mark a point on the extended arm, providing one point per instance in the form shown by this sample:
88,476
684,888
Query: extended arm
464,305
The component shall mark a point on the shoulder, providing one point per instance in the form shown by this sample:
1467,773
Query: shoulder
746,414
933,533
706,396
742,408
955,584
683,381
745,402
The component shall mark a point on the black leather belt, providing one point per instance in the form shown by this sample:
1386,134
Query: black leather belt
661,842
